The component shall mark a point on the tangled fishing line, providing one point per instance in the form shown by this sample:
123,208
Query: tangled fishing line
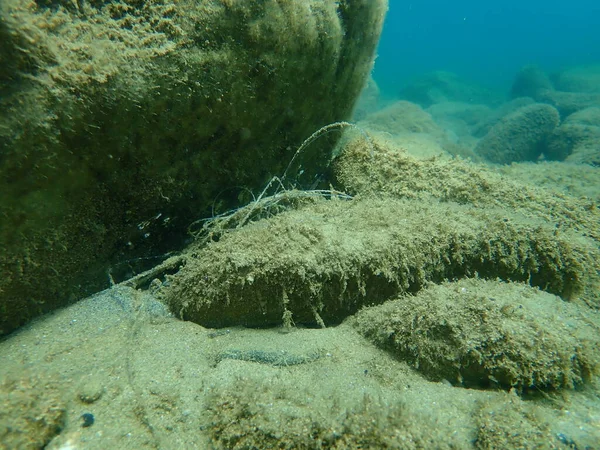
273,199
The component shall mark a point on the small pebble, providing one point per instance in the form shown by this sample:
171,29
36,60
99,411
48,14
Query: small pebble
87,420
90,389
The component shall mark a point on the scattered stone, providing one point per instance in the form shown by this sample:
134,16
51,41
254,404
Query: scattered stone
87,420
91,389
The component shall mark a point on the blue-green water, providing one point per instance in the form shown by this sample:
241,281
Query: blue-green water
486,42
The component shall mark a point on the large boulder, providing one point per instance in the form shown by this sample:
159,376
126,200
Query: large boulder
123,121
568,91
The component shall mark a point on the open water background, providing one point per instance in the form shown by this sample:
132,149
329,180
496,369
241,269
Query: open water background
485,41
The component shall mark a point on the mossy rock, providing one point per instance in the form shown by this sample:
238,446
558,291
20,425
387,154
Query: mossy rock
322,262
121,122
488,334
412,221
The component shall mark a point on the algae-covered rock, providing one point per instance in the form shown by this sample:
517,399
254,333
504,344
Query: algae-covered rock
576,180
123,121
375,168
322,262
487,333
413,221
489,120
586,154
577,137
520,136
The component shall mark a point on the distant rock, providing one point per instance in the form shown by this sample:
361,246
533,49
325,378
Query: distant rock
583,79
368,102
520,136
456,115
412,128
577,139
460,120
530,81
402,117
568,91
497,114
586,155
569,102
439,87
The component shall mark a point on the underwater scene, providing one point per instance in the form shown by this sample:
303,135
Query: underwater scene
299,224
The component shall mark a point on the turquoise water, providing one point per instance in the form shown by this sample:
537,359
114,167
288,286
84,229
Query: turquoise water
486,42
